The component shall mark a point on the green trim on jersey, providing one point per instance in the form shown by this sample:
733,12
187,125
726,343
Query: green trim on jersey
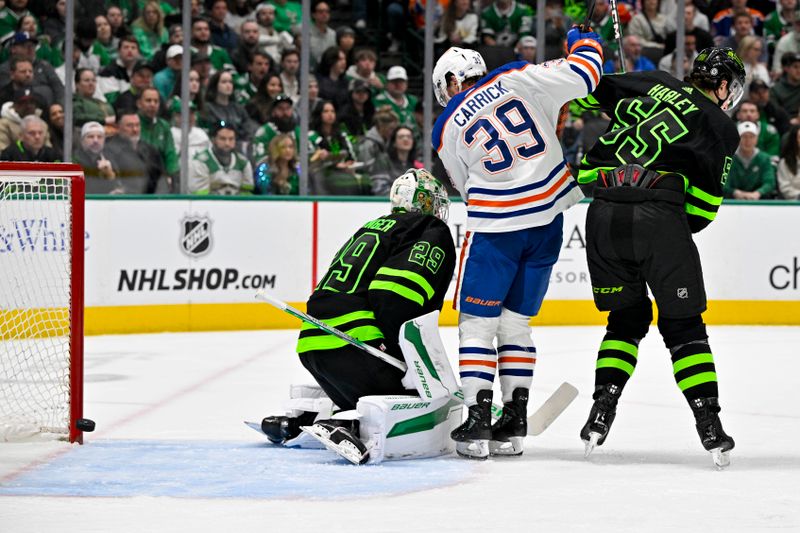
407,274
329,342
697,379
692,360
398,289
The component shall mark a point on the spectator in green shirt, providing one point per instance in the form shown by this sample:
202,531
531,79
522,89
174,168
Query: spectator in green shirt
149,29
752,176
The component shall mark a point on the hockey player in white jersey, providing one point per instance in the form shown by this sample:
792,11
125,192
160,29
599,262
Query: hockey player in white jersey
497,140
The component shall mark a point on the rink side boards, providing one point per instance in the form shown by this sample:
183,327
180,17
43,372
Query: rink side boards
194,264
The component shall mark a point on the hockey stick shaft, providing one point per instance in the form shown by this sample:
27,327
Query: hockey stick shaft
546,411
283,306
617,34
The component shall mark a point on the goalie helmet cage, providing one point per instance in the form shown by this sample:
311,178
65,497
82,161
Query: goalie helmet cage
41,299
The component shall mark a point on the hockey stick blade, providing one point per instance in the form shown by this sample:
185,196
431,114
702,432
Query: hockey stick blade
551,408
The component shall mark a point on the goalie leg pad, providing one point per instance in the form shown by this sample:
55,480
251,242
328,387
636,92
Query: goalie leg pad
407,427
429,370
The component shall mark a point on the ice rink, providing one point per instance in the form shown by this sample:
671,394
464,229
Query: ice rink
171,452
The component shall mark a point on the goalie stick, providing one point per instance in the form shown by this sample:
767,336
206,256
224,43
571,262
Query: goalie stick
537,422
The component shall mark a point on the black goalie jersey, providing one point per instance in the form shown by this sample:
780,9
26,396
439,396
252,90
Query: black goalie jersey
392,269
665,125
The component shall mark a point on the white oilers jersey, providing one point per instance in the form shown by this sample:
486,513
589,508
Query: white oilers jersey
498,141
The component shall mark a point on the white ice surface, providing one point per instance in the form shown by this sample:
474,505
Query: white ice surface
191,392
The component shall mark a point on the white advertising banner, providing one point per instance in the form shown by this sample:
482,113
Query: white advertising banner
142,252
148,252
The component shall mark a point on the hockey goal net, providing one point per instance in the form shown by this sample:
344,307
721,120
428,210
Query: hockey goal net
41,300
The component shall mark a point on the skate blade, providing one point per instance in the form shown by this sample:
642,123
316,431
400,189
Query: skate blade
345,449
474,449
722,459
514,447
589,445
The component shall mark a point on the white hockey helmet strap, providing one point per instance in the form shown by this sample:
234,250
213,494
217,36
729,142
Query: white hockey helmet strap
418,190
462,64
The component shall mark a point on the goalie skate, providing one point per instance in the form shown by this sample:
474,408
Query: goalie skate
342,440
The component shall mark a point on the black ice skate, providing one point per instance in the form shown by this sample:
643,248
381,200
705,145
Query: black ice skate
509,432
472,437
280,429
341,437
601,417
709,427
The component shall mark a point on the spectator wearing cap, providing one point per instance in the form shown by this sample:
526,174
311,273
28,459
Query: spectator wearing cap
356,115
752,176
201,42
246,85
97,167
333,84
29,24
222,35
258,107
770,113
137,163
364,70
149,29
282,120
31,145
141,79
290,66
270,39
769,140
786,90
201,64
346,41
46,83
87,108
155,132
221,170
10,15
221,106
12,114
288,15
164,80
788,44
503,22
526,49
115,78
159,59
396,98
248,45
458,26
321,36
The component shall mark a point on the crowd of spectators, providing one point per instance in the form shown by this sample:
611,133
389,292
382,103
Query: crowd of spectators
366,119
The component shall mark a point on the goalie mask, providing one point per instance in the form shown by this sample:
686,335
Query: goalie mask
462,64
418,190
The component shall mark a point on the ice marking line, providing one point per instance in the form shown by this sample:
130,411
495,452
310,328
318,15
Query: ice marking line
138,414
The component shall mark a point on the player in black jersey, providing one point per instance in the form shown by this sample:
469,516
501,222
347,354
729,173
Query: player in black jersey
393,269
658,173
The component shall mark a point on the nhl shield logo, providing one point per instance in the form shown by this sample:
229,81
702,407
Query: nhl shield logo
196,236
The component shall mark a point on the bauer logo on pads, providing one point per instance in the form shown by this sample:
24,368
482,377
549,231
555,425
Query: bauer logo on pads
195,235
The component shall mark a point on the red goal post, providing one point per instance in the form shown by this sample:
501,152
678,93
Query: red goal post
41,300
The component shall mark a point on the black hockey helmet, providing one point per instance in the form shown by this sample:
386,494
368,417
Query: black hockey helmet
713,65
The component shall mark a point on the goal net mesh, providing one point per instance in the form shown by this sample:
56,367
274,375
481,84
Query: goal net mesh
35,306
